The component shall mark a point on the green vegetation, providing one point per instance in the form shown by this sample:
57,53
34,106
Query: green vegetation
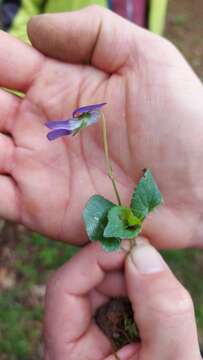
20,326
21,308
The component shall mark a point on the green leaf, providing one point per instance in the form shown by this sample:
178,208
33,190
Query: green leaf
122,223
111,244
95,216
146,196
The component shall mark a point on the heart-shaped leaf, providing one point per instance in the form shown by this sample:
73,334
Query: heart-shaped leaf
146,196
122,223
95,216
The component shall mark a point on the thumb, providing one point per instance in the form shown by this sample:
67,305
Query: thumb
163,308
93,35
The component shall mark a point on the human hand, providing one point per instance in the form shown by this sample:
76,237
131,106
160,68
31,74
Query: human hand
154,112
154,117
163,309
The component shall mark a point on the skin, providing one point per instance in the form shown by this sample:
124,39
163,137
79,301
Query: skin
154,116
163,309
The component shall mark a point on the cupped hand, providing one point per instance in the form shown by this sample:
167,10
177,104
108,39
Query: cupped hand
154,117
163,309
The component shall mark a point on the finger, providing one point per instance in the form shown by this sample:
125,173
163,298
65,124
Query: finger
93,260
9,105
113,285
126,353
67,301
93,35
9,208
163,309
19,63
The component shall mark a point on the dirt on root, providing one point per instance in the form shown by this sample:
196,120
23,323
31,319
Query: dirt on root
115,319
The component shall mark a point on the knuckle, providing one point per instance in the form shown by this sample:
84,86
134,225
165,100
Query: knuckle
172,51
176,303
163,46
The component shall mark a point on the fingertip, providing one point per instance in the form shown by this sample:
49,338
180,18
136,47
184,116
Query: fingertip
35,19
37,29
128,351
30,24
145,258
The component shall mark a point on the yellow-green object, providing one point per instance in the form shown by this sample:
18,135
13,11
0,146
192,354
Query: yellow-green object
70,5
157,15
27,10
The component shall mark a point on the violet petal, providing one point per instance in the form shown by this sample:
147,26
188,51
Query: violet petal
52,135
88,108
69,125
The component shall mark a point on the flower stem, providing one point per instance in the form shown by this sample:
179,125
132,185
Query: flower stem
108,162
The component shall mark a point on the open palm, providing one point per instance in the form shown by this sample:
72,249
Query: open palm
154,121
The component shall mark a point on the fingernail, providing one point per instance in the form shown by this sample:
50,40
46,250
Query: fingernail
147,259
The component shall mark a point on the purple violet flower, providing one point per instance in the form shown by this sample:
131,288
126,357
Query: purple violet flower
82,118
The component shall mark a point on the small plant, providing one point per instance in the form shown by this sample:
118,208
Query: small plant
105,221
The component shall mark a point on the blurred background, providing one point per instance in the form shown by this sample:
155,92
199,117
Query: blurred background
27,259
